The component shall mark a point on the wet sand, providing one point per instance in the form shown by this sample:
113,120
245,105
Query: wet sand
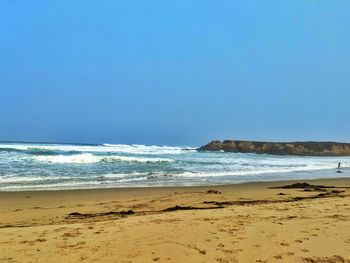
252,222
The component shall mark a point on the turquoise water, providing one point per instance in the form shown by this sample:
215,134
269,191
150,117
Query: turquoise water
37,166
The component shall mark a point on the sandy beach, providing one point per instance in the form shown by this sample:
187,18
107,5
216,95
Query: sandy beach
249,222
174,131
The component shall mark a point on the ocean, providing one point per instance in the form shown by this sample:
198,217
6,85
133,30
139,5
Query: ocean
46,166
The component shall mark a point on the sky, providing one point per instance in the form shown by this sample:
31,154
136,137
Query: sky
174,72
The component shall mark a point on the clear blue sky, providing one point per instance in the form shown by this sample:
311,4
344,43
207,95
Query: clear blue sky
174,72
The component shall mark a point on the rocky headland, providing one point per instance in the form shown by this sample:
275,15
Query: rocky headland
280,148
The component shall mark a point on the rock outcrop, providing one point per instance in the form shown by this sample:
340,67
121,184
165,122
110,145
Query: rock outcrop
280,148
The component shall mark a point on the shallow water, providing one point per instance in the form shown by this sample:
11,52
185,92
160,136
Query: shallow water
36,166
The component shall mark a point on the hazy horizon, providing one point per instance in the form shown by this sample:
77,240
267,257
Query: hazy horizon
150,144
178,73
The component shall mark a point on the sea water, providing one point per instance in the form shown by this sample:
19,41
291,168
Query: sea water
40,166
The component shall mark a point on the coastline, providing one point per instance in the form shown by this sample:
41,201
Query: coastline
244,222
25,167
190,187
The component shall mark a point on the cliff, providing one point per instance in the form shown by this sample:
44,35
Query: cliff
280,148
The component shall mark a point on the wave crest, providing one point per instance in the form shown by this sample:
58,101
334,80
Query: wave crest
104,148
86,158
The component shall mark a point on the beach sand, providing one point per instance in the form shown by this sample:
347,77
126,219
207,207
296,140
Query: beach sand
239,223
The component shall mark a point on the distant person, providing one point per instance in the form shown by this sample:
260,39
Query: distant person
339,165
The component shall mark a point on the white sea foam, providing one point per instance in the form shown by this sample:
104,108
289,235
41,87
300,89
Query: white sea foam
54,166
77,158
86,158
257,171
136,159
123,175
30,179
113,148
91,184
146,149
53,186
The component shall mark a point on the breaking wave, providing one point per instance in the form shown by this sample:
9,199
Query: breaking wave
111,148
34,166
90,158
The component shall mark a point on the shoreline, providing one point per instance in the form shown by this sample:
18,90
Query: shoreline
41,167
247,222
128,188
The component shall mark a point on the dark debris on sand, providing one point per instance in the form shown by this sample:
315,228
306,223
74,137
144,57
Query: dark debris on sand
308,187
301,186
333,259
326,192
77,215
211,191
177,207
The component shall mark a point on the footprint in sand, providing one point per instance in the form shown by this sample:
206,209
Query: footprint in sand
278,257
83,258
77,245
61,229
31,243
284,244
74,233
